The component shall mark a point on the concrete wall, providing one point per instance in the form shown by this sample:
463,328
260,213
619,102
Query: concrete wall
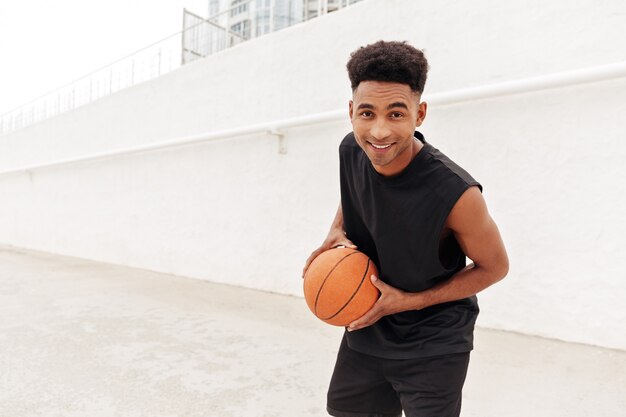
238,212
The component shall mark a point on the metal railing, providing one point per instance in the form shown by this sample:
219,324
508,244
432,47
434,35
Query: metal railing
199,38
145,64
277,128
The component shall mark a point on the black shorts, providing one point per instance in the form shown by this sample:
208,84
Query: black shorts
368,386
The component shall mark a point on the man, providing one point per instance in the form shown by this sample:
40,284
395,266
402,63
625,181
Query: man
417,215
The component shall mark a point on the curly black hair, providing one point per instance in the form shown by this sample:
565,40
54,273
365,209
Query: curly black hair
388,61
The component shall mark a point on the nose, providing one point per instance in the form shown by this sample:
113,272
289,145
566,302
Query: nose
380,130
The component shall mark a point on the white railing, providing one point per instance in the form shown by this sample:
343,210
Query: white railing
277,128
145,64
198,39
542,82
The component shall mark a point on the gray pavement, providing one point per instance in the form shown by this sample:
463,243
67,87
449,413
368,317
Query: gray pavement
81,338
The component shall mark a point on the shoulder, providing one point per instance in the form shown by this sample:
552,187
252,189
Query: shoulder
478,235
445,179
469,206
448,174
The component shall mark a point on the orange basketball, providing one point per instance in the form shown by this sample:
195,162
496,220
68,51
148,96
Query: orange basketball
337,286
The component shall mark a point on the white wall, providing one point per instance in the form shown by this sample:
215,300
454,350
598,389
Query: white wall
238,212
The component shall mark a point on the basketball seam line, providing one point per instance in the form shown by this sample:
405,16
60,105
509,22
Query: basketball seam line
354,293
317,297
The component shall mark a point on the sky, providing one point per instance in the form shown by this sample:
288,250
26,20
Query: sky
45,44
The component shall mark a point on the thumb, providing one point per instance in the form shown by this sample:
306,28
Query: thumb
348,244
377,282
345,244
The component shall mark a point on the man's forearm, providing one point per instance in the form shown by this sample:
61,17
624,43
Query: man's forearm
469,281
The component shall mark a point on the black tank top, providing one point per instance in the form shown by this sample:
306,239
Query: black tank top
398,222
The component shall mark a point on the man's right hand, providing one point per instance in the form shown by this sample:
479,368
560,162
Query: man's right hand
335,238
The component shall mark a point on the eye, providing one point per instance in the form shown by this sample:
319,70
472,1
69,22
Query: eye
366,114
397,115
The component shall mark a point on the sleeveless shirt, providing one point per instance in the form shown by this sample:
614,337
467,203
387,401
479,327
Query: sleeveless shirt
398,222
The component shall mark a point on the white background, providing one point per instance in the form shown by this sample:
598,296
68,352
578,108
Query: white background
46,44
240,213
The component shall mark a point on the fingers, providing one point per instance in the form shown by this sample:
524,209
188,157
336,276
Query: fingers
306,266
366,320
378,283
344,242
376,312
309,260
347,243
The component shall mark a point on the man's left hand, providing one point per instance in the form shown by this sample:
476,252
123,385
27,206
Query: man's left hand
391,301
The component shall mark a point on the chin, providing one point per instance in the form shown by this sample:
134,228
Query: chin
381,162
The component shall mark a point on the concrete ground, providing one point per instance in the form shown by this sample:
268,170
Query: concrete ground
80,338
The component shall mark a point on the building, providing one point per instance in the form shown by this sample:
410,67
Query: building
233,21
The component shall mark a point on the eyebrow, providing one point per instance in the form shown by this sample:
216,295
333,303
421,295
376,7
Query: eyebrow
397,104
389,107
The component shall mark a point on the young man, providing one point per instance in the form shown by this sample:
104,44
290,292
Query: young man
417,215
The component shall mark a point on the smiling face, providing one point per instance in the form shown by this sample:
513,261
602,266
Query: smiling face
384,116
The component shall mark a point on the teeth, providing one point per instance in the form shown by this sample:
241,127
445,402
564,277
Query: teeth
381,147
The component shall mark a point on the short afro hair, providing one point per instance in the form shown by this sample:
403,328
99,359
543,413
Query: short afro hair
388,61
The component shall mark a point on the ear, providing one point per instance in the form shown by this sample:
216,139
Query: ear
421,113
350,108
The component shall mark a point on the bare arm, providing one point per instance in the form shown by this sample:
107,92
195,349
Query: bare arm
336,237
480,240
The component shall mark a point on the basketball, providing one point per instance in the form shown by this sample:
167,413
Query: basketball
337,286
